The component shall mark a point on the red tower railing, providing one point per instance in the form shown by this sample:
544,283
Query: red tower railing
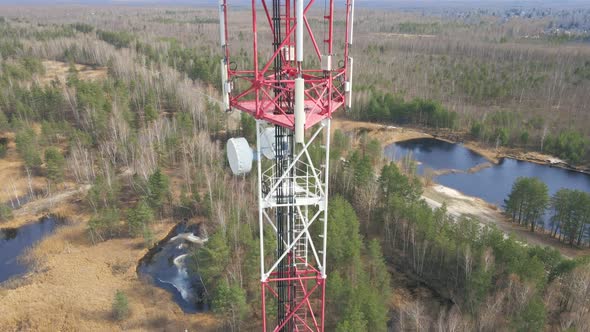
325,86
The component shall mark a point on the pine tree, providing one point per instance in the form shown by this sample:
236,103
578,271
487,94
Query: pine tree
120,306
55,164
139,217
4,125
27,146
527,201
211,260
158,188
150,109
230,302
354,322
379,277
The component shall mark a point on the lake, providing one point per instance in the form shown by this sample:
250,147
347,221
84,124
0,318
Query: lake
492,184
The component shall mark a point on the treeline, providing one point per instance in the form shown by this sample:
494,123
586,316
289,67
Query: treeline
389,108
569,145
499,128
504,128
496,282
528,203
478,68
201,64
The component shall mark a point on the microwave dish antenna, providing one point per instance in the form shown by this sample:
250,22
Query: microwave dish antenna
239,155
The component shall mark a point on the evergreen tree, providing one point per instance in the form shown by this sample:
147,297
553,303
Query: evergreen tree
3,147
4,125
120,306
230,302
55,164
393,182
27,146
150,109
571,214
527,201
532,317
103,225
340,143
5,212
211,260
343,224
139,218
104,193
158,189
354,321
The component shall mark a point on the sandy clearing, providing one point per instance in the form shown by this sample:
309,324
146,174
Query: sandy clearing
459,204
58,71
384,134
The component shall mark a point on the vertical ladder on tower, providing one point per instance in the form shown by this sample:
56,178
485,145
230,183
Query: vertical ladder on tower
300,248
300,264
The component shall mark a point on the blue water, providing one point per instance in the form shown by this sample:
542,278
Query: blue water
491,184
165,267
434,154
14,242
494,184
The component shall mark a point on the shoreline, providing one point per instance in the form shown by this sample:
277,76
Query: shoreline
460,204
389,134
84,277
495,156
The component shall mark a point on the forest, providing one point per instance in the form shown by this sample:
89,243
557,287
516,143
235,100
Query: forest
529,201
134,118
506,79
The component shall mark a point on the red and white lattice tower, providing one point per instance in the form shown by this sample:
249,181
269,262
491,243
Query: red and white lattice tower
289,97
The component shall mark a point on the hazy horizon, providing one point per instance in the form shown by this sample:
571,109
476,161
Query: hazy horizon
393,4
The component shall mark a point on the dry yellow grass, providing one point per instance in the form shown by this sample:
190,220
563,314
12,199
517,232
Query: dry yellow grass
74,282
13,178
384,134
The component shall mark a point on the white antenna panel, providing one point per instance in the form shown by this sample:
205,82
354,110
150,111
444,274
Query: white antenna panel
239,155
267,143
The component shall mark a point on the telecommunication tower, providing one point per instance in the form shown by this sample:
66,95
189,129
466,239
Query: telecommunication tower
290,95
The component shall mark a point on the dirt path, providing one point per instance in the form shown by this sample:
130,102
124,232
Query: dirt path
459,204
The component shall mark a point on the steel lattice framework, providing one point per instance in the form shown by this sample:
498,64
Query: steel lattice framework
280,90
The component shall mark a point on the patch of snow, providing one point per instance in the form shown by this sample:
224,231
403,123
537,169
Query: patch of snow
190,237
